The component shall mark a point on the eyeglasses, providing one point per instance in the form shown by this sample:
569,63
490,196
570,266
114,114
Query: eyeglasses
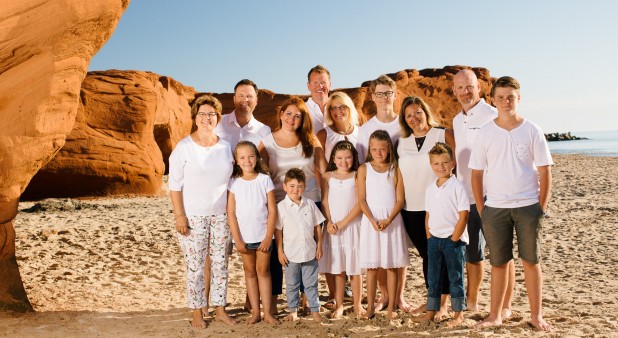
209,115
341,108
380,95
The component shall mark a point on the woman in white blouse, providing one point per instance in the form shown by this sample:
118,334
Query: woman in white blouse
341,121
200,168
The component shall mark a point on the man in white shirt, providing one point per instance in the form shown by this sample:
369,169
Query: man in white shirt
512,155
240,123
318,83
475,113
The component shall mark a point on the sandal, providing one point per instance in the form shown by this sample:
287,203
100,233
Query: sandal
330,304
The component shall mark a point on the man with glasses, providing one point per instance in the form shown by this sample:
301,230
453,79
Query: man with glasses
318,83
240,123
475,113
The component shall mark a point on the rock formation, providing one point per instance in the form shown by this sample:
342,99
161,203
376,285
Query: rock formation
125,120
45,48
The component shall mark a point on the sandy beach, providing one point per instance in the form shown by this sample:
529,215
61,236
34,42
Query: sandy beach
112,268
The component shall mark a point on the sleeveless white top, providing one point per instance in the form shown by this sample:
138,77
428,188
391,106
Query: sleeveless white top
333,137
280,160
415,167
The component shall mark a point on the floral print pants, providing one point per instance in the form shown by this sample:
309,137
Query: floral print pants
208,235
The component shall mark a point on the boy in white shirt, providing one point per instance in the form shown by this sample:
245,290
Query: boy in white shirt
447,206
299,241
512,154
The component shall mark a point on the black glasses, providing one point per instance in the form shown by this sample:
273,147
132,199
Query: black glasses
380,95
341,108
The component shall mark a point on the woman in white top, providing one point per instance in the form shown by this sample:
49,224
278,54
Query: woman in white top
418,136
200,169
341,120
293,145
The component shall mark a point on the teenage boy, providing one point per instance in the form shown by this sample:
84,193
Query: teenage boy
512,155
299,242
446,203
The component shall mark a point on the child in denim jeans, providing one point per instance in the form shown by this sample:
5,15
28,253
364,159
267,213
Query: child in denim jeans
447,207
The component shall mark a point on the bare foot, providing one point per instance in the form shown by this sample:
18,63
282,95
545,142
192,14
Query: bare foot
457,319
474,307
403,305
506,314
292,317
198,322
420,309
270,319
337,313
488,322
223,317
360,312
381,303
205,312
441,314
254,319
369,314
541,325
392,315
319,319
428,317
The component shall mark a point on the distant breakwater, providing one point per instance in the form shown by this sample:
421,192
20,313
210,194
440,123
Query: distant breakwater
563,137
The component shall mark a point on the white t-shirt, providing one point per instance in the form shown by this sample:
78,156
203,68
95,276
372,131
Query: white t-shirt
415,167
443,205
332,138
465,128
252,206
509,159
362,145
229,130
317,116
202,174
298,223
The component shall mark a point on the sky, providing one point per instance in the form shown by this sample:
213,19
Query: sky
564,53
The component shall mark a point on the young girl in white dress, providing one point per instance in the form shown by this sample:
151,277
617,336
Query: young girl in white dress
340,243
382,236
252,214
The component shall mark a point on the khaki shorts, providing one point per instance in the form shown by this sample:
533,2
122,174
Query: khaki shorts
498,225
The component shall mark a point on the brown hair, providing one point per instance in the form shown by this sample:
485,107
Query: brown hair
408,101
441,149
382,80
295,174
339,146
505,81
382,135
319,69
246,82
206,100
305,131
260,167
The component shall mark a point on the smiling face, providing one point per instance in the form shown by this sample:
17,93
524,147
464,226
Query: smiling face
339,112
506,100
291,118
467,89
245,99
319,86
442,165
206,118
246,159
344,160
379,150
416,118
294,189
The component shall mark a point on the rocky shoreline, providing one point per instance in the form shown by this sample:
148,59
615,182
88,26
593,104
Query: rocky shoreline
563,137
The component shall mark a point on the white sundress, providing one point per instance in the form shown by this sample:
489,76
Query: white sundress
388,248
340,251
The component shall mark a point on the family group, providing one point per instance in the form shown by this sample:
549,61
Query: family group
328,194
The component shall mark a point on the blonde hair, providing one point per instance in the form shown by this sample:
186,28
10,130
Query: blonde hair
347,101
382,135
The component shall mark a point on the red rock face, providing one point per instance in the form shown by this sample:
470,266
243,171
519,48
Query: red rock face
127,124
45,48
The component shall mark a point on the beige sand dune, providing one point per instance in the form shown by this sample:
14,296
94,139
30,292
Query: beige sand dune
112,268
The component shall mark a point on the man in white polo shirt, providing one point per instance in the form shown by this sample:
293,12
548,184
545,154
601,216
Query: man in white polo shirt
318,83
240,124
511,153
475,113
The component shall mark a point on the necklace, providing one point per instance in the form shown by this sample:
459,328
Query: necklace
336,130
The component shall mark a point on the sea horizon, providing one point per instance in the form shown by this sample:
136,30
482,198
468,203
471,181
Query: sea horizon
597,143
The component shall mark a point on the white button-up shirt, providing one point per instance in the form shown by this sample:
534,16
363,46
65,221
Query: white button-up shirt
298,223
229,130
317,116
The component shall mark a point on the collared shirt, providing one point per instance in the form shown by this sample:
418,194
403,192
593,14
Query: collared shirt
298,223
465,128
443,204
229,130
317,116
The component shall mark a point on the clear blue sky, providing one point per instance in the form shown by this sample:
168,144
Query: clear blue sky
565,53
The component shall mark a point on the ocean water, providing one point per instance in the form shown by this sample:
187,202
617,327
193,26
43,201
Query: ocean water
599,143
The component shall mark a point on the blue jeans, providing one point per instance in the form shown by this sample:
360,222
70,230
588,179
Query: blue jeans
307,273
445,251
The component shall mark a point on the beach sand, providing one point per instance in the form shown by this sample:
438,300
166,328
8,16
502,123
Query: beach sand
112,268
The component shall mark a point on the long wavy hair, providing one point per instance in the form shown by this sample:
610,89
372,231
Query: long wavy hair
260,167
339,146
408,101
382,135
305,131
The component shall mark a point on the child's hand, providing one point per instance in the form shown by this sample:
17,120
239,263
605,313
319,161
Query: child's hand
455,239
383,224
375,225
182,225
331,228
265,244
241,247
283,259
318,252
